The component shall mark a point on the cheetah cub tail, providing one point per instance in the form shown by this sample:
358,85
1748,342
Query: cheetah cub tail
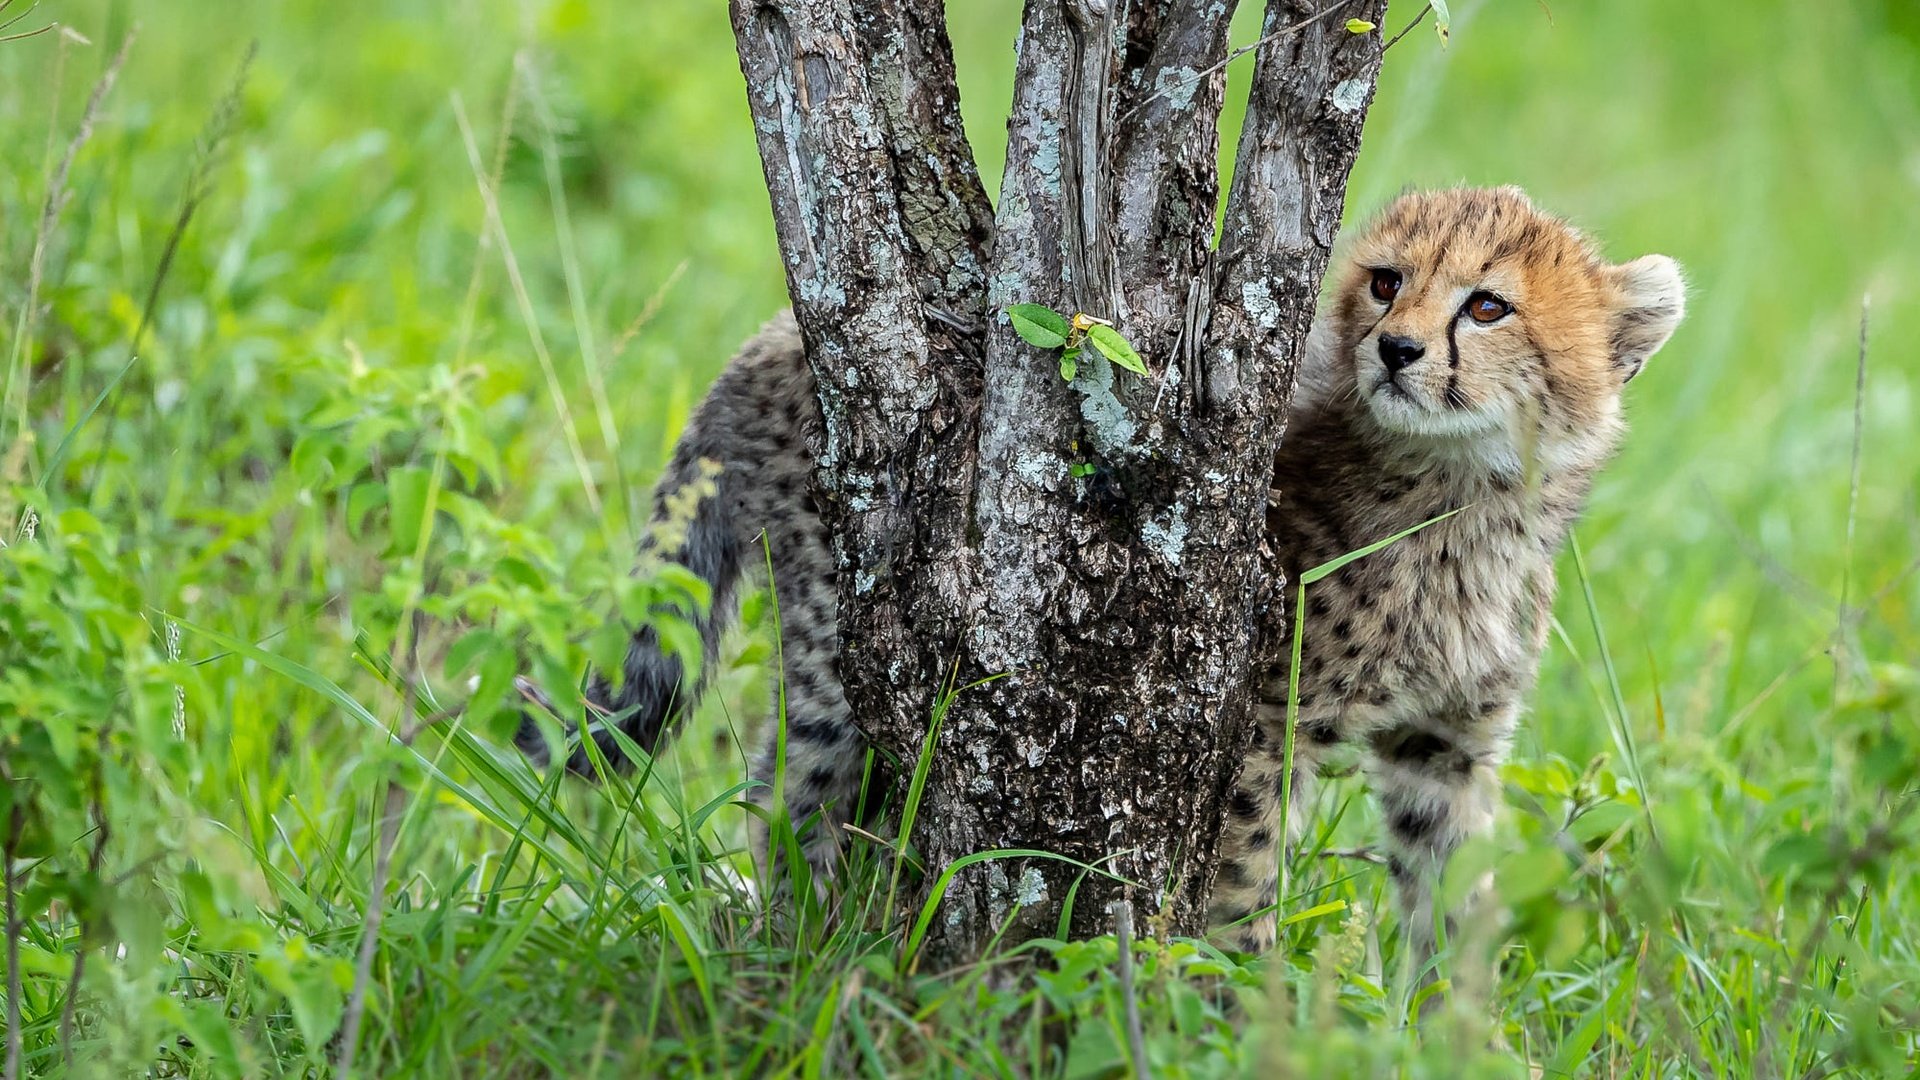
731,474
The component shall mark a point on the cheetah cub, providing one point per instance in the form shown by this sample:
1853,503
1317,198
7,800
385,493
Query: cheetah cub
1470,359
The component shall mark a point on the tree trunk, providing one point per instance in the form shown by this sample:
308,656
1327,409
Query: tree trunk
1120,609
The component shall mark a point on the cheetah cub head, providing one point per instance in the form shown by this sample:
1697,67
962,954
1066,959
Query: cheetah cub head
1471,318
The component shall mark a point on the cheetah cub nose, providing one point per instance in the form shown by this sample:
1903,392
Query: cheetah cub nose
1397,352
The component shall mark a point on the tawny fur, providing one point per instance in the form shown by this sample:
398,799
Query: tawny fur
1421,653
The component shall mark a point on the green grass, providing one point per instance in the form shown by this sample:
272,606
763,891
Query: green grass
338,466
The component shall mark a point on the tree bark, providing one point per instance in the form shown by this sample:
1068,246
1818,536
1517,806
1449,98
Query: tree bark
1120,609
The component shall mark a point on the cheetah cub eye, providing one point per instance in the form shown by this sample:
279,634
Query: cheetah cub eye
1386,284
1484,307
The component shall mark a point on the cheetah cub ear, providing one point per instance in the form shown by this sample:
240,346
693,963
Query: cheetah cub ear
1649,300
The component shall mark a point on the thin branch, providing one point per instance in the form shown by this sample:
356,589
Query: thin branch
1231,57
28,34
410,729
394,802
31,8
647,312
1123,934
1408,29
1790,583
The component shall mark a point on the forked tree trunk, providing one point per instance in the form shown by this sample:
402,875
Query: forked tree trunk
1120,608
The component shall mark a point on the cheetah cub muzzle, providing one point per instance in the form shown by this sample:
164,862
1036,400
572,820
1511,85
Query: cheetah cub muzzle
1470,359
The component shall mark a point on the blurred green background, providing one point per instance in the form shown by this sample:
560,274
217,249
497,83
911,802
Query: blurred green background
334,345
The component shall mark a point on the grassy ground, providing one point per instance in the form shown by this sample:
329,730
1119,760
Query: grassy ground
365,436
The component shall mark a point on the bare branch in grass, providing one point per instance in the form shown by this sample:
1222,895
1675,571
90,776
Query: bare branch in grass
1123,934
392,807
393,804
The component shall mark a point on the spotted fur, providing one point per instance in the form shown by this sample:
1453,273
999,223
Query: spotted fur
1422,653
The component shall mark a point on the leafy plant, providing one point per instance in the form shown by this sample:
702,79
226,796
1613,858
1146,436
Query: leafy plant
1044,328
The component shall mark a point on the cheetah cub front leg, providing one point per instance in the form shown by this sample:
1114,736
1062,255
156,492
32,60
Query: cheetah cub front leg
1437,784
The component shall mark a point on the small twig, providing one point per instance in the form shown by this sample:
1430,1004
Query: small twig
370,932
1791,583
395,802
1123,933
1407,29
31,8
1231,57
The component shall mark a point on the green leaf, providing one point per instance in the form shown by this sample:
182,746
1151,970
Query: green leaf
1359,26
520,572
316,1005
360,502
1070,363
1442,20
1331,907
1039,325
407,497
471,646
1115,348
